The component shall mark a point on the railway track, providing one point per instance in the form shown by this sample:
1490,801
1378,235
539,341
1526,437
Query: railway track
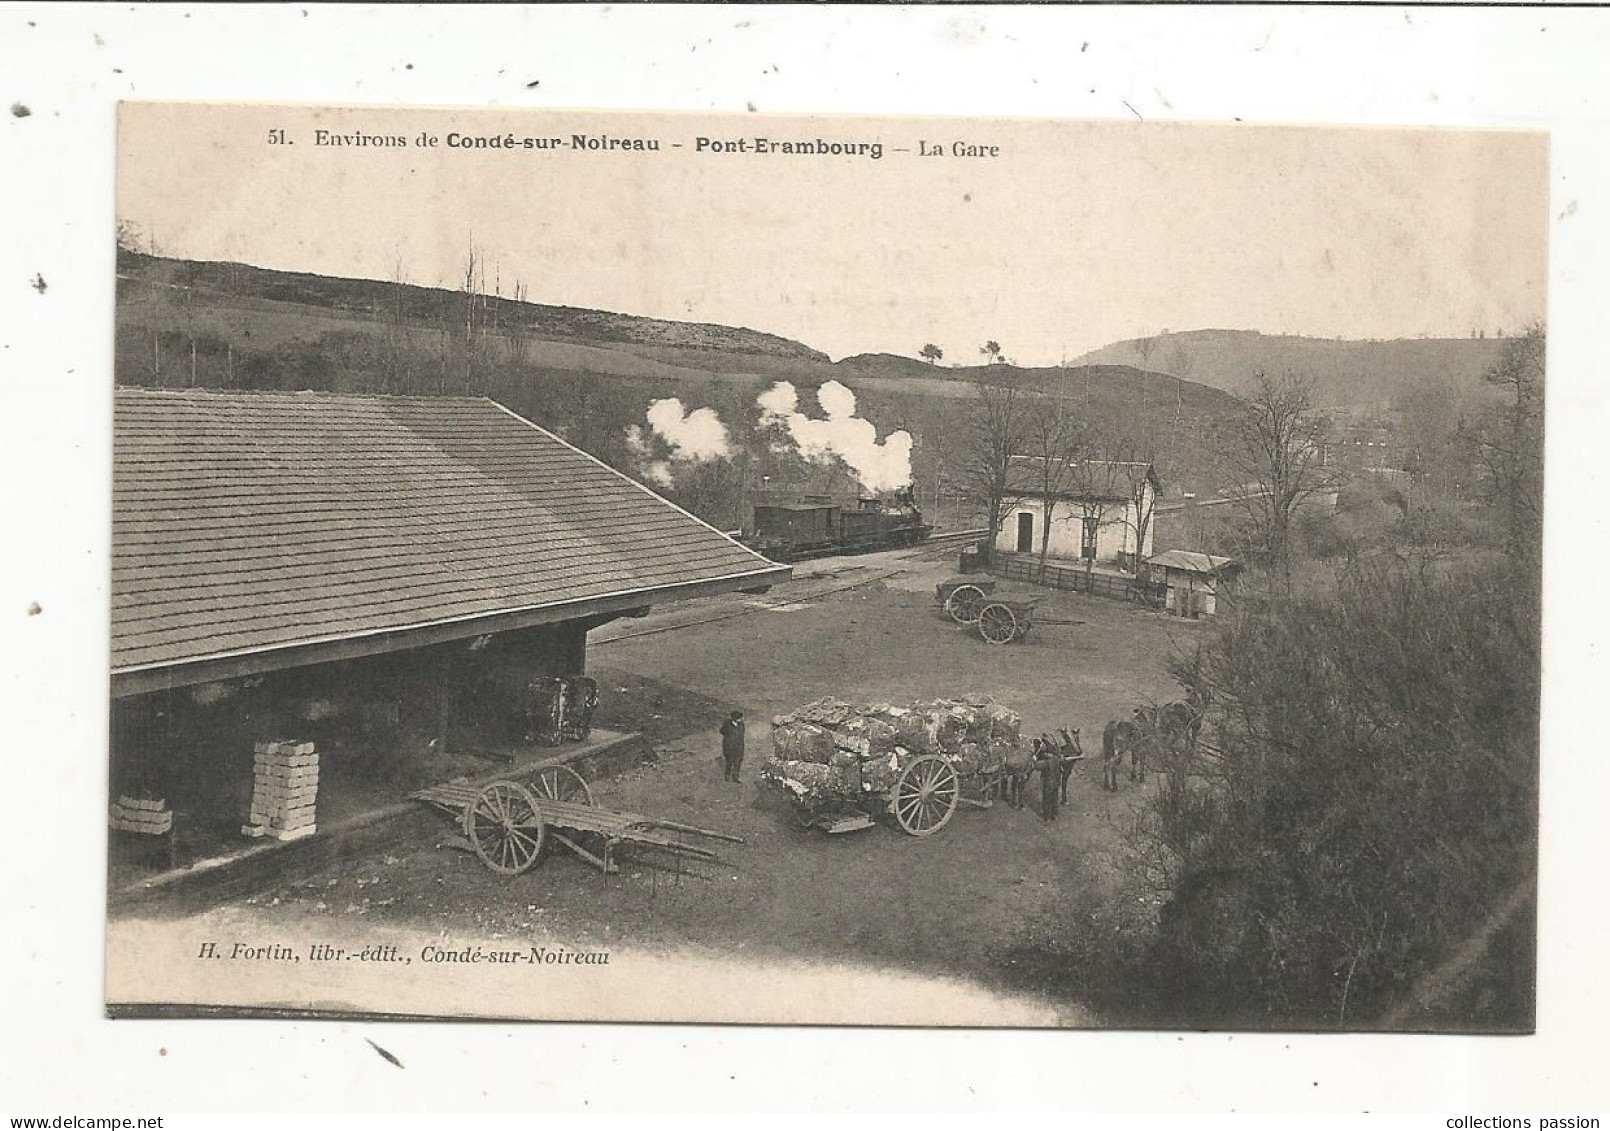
866,573
954,536
946,539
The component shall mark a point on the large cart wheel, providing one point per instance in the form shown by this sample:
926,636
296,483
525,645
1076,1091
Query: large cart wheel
561,783
505,827
997,623
926,795
963,603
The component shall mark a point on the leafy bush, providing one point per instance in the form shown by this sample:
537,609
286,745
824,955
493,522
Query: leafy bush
1370,801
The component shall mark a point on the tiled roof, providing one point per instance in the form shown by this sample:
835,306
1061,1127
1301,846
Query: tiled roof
248,522
1104,479
1193,561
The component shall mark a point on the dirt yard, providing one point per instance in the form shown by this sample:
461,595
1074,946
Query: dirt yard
984,900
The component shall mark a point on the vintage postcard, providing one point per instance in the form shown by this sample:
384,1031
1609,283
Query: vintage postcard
833,570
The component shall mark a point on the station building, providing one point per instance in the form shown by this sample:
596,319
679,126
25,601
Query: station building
1100,510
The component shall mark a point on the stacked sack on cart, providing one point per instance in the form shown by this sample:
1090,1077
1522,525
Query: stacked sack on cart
831,751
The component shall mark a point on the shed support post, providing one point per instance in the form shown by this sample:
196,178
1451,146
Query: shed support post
444,697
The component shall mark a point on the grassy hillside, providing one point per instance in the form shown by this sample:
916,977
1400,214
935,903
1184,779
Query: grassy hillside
589,375
1355,373
370,299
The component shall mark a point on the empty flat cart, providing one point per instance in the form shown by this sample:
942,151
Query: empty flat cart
1000,619
962,597
513,822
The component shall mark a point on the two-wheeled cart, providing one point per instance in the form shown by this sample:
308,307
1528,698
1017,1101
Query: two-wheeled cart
974,602
1003,620
514,820
921,800
962,597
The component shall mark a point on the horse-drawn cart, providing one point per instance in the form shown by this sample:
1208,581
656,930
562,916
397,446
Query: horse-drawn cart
513,821
843,766
1000,618
922,800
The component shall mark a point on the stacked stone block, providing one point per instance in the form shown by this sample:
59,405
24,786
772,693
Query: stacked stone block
285,790
832,751
142,815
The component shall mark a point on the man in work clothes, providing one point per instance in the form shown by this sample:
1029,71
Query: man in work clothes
732,744
1049,763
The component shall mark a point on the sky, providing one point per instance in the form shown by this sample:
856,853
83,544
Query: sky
1070,236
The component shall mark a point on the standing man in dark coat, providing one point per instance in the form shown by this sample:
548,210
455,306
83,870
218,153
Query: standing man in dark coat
732,744
1049,763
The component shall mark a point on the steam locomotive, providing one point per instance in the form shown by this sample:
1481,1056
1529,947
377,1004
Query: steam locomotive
817,525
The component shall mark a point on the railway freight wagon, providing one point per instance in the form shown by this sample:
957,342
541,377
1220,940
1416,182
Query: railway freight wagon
813,527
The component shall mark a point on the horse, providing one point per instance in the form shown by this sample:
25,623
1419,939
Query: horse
1118,737
1065,745
1164,735
1152,734
1181,720
1158,727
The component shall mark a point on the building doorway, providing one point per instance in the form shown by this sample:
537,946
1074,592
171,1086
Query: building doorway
1025,533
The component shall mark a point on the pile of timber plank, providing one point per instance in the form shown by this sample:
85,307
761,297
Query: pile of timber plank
831,751
285,790
142,815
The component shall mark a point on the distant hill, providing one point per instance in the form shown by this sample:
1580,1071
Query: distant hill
892,365
1350,373
588,375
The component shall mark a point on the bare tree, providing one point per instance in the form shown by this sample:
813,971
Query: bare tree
395,357
1055,446
1132,472
997,430
1146,347
1507,443
1275,451
1180,364
471,346
474,283
1096,484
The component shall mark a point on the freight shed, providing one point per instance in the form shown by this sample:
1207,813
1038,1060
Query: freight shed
1195,581
379,577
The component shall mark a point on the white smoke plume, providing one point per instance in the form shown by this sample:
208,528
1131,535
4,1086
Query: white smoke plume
880,465
689,437
655,470
697,436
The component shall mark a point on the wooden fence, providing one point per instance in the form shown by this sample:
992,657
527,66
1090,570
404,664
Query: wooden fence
1076,579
